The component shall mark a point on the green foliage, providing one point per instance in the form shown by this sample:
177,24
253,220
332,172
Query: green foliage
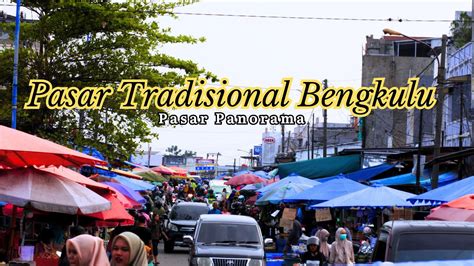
80,43
461,30
189,154
174,150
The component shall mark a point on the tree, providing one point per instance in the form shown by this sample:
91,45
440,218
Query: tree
189,154
461,30
173,150
81,44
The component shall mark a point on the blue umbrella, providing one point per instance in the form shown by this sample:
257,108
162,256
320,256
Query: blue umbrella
126,191
326,191
243,172
447,193
279,193
135,184
252,187
375,196
292,178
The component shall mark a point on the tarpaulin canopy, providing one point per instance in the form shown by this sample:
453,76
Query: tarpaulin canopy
48,192
19,149
375,196
262,174
323,167
149,175
178,171
280,193
120,172
244,179
137,185
461,209
292,178
362,174
116,214
163,170
410,179
242,172
447,193
127,192
326,191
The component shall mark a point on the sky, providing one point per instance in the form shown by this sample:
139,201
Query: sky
262,51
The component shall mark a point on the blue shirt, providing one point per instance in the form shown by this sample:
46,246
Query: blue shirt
214,211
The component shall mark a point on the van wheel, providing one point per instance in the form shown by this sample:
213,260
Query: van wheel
169,246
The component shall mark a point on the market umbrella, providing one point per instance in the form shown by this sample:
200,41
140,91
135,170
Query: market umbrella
150,175
74,176
179,171
244,179
137,185
19,149
446,193
119,172
326,191
117,213
127,192
253,187
280,193
48,192
292,178
262,174
461,209
163,170
375,196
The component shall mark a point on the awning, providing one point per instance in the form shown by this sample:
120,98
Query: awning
362,174
410,179
321,167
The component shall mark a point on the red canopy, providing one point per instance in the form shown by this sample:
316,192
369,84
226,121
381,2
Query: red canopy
19,149
244,179
461,209
163,170
179,171
116,214
74,176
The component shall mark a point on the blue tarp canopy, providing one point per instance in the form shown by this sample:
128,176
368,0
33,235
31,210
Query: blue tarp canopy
447,193
280,193
362,174
293,178
326,191
242,172
127,192
375,196
262,174
135,184
322,167
410,179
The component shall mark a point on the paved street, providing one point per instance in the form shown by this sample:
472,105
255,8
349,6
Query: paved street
178,257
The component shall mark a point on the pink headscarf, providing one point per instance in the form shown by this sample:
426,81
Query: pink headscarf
324,247
90,250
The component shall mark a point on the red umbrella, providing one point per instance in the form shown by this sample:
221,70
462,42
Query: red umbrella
19,149
163,170
244,179
461,209
179,171
116,214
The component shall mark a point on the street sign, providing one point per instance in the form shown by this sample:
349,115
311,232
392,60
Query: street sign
205,168
205,161
257,150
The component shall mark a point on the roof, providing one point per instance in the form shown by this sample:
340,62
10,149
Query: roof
429,226
227,218
401,38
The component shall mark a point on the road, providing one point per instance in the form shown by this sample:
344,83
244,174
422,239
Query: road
178,257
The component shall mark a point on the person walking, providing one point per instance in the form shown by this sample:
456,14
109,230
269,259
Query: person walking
342,252
293,236
155,237
324,247
86,250
128,249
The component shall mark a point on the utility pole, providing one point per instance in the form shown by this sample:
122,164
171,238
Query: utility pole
325,125
418,156
251,158
439,112
233,172
312,140
460,162
217,164
288,144
282,138
307,130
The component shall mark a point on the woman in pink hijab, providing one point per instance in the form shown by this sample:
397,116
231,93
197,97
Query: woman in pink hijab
86,250
342,252
324,247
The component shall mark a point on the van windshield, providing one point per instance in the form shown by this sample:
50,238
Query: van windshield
187,212
435,246
215,233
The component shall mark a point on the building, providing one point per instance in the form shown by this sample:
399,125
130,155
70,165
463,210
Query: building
397,59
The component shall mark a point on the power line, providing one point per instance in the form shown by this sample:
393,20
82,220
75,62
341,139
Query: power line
311,17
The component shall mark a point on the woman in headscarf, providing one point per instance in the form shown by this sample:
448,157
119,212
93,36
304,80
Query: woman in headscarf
127,250
342,252
86,250
324,247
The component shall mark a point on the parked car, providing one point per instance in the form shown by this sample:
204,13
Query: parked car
404,241
226,240
182,221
